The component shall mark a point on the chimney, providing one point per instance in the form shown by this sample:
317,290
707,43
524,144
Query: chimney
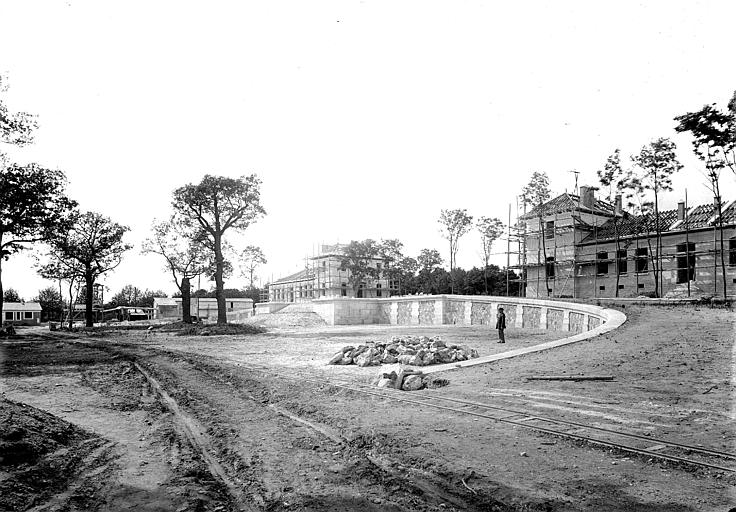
617,206
681,210
587,196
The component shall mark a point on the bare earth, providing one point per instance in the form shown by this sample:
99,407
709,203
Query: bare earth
258,427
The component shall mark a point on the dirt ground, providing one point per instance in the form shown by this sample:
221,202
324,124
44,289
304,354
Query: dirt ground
283,442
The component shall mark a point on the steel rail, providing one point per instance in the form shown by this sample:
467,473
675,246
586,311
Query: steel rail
426,401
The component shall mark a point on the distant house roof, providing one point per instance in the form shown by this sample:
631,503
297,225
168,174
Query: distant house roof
21,306
302,275
570,202
698,217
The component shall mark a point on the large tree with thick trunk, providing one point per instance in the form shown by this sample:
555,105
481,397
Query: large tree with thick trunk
214,206
91,246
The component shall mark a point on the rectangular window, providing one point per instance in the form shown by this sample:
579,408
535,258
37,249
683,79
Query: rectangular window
550,267
602,288
549,229
28,314
640,285
620,287
602,263
8,315
378,290
642,262
621,263
344,290
732,252
685,262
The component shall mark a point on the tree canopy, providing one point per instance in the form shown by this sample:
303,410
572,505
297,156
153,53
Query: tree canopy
92,246
251,257
214,206
455,224
359,260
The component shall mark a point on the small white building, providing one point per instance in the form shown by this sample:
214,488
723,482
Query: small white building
21,313
205,308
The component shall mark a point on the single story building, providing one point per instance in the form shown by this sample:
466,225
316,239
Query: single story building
21,313
200,307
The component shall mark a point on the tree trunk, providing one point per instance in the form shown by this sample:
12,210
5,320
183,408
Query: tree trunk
186,300
219,282
89,282
657,270
452,263
2,320
71,303
720,229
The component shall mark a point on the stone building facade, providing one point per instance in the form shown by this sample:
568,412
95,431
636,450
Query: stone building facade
323,278
575,252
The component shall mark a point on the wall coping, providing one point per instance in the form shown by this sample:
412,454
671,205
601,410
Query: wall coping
554,304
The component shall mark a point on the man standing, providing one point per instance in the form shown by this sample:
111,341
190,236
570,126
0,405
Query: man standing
501,324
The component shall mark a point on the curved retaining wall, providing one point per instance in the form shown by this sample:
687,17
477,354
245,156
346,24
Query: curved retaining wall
521,312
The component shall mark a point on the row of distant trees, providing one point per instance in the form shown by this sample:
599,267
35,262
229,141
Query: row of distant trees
84,245
424,273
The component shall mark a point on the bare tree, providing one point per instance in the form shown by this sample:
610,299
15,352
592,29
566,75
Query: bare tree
657,162
490,230
252,258
613,178
186,257
455,224
535,194
714,142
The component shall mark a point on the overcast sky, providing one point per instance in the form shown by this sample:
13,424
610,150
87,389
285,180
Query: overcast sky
362,118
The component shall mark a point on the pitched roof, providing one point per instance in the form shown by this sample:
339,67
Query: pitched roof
299,276
21,306
570,202
698,217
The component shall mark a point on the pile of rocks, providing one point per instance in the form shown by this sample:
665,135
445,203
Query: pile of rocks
410,350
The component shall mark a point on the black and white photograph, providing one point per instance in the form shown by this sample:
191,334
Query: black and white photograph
367,255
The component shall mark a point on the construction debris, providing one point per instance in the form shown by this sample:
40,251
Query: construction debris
409,350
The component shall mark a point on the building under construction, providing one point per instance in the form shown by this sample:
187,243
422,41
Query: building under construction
581,247
323,277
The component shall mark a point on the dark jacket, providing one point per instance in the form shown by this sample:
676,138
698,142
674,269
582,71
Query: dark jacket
501,320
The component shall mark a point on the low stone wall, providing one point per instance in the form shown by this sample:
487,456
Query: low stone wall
521,312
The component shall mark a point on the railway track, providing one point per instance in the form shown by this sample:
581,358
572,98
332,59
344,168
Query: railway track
630,442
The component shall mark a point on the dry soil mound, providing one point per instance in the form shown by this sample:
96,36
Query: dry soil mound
39,452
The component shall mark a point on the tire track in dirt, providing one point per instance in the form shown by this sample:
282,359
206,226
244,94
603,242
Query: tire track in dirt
193,431
319,471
